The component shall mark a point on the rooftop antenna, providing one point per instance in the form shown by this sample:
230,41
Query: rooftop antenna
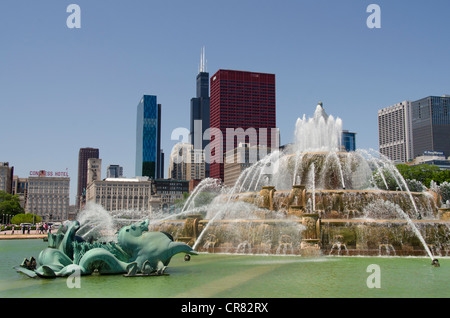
202,60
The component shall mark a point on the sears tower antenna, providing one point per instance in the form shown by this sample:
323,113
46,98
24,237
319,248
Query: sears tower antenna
202,61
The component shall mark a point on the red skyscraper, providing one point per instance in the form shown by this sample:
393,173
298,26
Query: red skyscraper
244,100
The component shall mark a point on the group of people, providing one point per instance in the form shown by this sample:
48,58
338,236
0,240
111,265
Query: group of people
41,229
44,228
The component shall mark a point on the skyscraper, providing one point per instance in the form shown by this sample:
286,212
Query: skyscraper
149,157
394,132
410,129
430,117
83,156
186,163
200,108
349,140
242,110
114,171
6,177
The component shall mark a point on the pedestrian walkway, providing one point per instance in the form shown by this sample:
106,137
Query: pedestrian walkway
7,235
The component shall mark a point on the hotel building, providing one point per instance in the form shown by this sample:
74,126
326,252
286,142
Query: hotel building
395,133
48,197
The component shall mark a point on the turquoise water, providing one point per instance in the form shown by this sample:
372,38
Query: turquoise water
238,276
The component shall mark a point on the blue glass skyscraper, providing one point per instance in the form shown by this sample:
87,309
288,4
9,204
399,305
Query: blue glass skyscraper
349,140
148,138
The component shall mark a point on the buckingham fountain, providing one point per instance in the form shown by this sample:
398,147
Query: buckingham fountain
314,199
311,199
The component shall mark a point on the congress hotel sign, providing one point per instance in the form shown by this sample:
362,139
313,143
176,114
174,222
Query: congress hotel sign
44,173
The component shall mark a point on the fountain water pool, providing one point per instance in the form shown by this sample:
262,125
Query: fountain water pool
237,276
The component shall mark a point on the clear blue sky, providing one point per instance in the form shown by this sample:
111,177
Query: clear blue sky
63,89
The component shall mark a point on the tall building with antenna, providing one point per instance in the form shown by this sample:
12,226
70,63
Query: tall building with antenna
199,119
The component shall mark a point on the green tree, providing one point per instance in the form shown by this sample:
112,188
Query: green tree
385,178
442,176
424,173
10,204
26,218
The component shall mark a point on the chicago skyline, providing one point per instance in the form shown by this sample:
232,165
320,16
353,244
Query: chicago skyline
78,87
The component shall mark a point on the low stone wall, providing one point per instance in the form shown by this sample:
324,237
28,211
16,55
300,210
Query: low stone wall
4,236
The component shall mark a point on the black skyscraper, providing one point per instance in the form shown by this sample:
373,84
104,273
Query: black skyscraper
431,125
200,111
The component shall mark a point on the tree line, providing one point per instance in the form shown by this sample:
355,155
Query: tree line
11,210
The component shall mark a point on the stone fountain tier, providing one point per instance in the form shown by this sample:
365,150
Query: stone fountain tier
392,237
294,237
444,213
342,204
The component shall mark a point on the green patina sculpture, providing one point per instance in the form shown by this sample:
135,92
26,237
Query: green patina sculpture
137,252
